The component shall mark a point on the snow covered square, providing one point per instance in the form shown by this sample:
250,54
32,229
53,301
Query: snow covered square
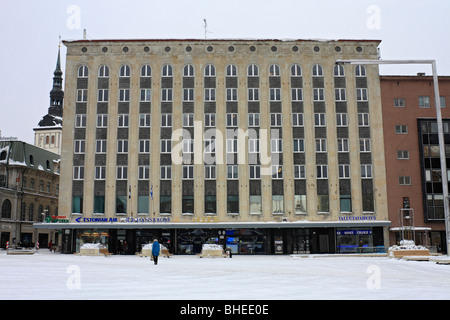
47,276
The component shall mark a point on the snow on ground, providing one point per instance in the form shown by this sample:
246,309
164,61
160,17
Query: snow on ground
46,275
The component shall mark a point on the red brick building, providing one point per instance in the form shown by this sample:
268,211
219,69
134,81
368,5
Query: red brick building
413,174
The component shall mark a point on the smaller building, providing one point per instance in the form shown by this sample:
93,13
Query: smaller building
413,170
29,188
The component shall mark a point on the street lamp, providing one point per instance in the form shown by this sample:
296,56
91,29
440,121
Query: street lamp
439,123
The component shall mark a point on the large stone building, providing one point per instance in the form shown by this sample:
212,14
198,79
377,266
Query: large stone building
263,146
29,188
416,206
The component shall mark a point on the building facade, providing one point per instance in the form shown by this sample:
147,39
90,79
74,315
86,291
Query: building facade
264,146
413,167
29,189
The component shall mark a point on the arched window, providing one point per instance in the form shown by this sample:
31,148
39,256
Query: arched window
83,71
296,70
252,70
124,71
146,71
274,70
210,70
317,70
103,72
31,212
6,209
360,71
339,70
167,70
188,70
231,70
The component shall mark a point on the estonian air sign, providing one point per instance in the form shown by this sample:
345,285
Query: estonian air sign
125,220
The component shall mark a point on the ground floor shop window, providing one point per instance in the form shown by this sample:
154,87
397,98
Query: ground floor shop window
355,240
92,236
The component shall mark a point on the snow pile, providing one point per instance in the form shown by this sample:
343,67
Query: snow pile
212,247
407,247
92,246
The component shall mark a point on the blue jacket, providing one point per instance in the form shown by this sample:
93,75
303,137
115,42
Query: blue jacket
156,248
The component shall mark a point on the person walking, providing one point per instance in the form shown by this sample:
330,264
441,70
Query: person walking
156,249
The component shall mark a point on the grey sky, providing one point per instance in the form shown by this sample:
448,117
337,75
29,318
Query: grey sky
409,29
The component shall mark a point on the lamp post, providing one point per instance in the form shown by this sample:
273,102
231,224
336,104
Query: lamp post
439,124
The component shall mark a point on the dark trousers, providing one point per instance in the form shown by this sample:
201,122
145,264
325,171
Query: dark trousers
155,259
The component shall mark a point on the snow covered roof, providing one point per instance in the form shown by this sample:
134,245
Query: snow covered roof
19,153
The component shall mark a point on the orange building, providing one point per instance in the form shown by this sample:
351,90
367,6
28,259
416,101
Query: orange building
413,175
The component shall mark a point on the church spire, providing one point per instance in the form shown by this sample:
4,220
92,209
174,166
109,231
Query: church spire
57,94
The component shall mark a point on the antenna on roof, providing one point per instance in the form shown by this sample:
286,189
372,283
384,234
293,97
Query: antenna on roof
84,34
206,26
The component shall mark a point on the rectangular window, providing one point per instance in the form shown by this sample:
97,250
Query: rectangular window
363,119
144,172
122,173
343,145
297,119
166,146
124,95
188,172
345,203
253,94
275,120
101,146
210,145
99,204
102,120
232,94
299,171
275,94
232,172
123,120
80,146
276,145
344,171
188,119
253,145
366,171
210,94
364,145
100,173
300,203
80,121
232,145
146,95
341,120
253,119
255,172
361,94
82,95
277,172
299,145
339,94
166,120
319,120
232,119
322,171
210,119
296,94
210,172
404,180
323,203
77,204
188,145
122,146
399,102
401,129
321,145
144,146
102,95
78,173
143,204
166,172
424,101
402,154
166,95
318,94
144,120
188,94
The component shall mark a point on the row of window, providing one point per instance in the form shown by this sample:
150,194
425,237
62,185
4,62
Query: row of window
31,185
210,71
232,146
26,215
231,120
255,172
253,94
424,102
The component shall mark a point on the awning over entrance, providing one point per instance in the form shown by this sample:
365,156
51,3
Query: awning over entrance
213,225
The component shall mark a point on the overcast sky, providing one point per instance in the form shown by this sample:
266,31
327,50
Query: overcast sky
29,31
